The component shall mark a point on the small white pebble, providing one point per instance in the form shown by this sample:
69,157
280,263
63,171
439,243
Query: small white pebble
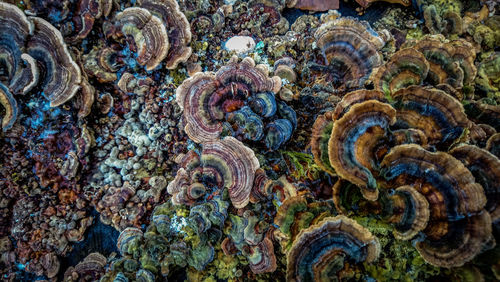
240,44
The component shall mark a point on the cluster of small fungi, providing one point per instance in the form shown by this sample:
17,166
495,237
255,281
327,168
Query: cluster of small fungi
155,139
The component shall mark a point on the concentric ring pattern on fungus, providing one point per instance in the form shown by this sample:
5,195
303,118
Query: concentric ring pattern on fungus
259,140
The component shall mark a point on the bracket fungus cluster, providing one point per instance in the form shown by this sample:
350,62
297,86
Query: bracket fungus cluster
450,62
384,142
406,67
434,59
225,163
459,227
157,30
138,145
350,50
87,12
246,235
33,53
326,249
238,100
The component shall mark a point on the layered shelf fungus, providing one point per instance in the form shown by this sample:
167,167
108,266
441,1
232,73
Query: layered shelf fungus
459,228
129,239
439,115
237,100
148,34
17,76
87,12
91,267
265,189
177,27
450,62
34,54
439,20
350,51
248,235
358,142
330,249
409,212
488,76
321,132
222,164
247,140
155,32
486,170
405,68
296,213
322,127
62,76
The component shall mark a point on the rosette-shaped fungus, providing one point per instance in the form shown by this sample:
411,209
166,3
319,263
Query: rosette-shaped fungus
406,67
296,213
239,100
148,33
177,26
409,212
486,170
322,127
91,268
323,251
350,49
62,75
225,163
157,31
358,142
458,227
246,234
30,47
129,239
450,62
440,116
18,76
87,12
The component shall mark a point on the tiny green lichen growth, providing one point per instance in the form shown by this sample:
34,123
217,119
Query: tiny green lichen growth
178,76
488,78
415,33
301,165
448,5
399,261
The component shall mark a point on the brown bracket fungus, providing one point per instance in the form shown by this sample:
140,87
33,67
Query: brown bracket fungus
350,50
486,170
358,142
459,228
324,250
406,67
178,29
440,116
225,163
